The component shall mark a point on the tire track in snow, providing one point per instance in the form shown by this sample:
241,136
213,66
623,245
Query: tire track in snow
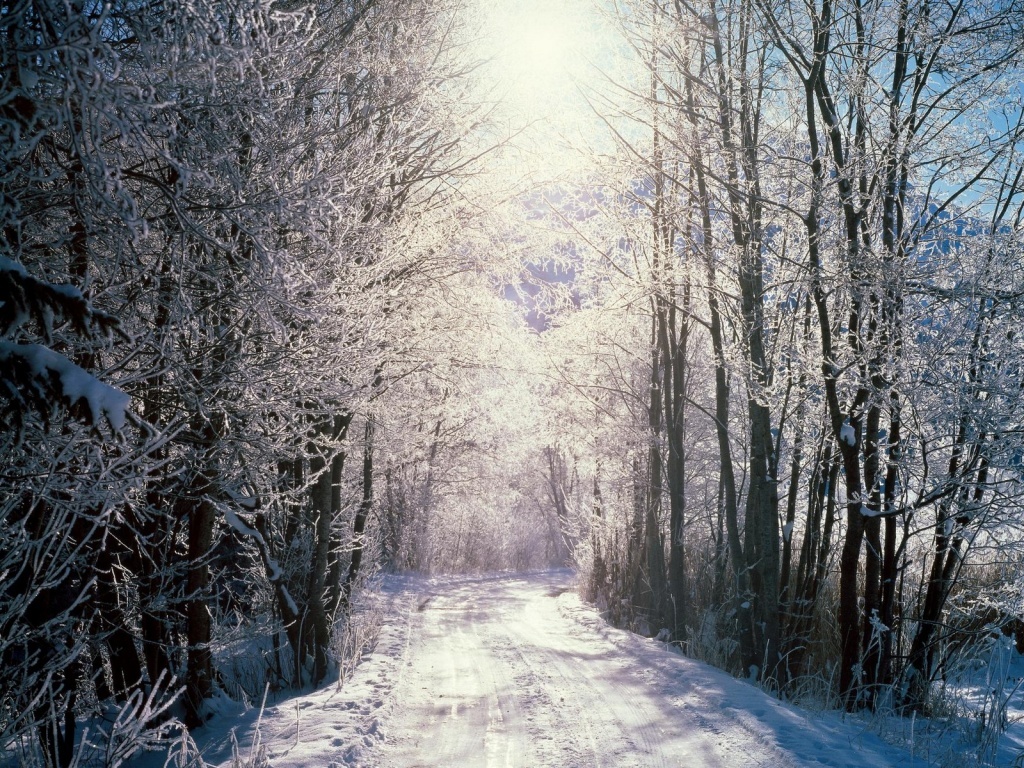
502,674
625,722
454,706
598,723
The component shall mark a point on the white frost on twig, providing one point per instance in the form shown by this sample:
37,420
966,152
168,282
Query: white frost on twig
232,519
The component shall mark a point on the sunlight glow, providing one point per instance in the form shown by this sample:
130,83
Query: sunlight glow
541,57
534,49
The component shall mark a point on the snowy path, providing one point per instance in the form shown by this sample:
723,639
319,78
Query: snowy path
512,671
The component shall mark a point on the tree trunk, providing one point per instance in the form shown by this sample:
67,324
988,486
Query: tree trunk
655,548
729,504
674,353
316,621
125,666
359,524
873,633
199,676
342,421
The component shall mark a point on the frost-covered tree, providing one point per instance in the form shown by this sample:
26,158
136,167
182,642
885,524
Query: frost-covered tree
890,100
234,183
826,213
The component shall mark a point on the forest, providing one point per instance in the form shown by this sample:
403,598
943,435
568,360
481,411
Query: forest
716,302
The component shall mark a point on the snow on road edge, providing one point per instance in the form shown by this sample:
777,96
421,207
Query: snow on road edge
823,738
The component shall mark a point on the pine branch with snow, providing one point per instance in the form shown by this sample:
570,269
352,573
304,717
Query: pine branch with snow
25,298
35,378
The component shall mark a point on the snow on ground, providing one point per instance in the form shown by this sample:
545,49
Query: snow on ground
513,670
516,671
986,684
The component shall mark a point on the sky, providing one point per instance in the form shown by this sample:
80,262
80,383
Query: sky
541,59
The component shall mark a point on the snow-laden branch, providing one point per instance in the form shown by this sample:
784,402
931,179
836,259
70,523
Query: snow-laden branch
32,374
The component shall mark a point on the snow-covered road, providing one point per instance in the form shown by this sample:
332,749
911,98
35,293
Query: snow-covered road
514,671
